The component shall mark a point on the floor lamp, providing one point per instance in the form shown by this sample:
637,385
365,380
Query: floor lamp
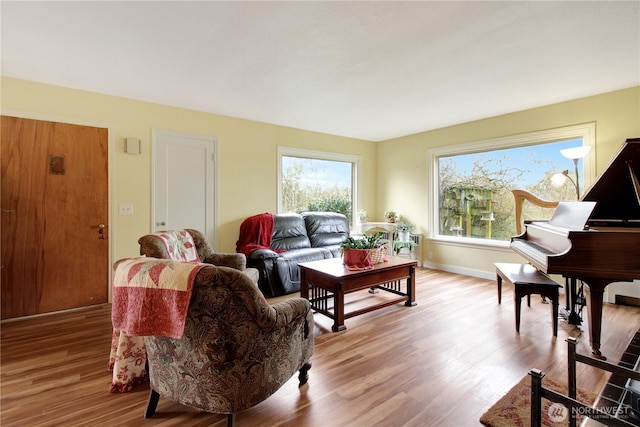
575,154
577,300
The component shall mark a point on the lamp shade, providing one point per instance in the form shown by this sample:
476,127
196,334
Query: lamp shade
558,179
576,152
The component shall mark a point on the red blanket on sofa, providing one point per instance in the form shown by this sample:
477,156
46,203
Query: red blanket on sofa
255,233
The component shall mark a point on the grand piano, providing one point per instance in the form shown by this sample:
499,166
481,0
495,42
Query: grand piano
595,240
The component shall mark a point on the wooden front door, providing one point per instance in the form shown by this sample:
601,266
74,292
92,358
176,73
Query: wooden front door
55,252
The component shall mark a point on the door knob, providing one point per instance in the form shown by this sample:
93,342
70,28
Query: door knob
101,228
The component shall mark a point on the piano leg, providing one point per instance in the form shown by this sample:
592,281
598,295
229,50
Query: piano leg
596,290
574,317
570,312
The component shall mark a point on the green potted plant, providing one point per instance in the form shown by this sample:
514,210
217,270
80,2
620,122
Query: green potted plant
358,252
404,227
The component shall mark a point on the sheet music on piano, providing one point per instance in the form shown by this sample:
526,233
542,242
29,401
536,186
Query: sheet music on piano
572,215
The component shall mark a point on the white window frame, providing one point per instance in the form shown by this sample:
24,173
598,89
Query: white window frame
586,131
323,155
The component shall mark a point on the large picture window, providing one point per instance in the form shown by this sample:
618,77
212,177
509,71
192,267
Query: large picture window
471,188
317,181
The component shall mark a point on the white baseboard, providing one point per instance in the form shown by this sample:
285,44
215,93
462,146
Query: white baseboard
489,275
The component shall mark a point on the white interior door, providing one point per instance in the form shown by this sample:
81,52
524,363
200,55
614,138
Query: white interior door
184,183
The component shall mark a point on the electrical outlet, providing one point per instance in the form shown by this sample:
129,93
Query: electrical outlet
429,254
125,209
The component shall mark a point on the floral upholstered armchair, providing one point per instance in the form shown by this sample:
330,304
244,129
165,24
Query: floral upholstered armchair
236,350
175,245
127,358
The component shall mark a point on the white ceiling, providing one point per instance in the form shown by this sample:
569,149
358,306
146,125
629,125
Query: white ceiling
369,70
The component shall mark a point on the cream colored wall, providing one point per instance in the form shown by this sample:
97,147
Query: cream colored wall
247,154
394,172
402,167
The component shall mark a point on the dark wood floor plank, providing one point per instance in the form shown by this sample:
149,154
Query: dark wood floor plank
442,362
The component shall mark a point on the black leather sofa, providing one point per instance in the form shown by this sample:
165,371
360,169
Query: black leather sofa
310,236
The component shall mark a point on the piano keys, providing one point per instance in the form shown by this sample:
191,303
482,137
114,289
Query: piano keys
595,240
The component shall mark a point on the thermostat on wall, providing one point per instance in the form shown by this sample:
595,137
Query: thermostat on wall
132,145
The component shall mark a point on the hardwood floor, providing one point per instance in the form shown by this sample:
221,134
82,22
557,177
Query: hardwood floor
440,363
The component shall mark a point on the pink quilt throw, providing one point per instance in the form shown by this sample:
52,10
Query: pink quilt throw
127,362
180,245
150,297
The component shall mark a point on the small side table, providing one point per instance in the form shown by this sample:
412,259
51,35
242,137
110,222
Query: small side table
399,245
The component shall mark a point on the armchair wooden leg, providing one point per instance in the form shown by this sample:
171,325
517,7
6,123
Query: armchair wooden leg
231,418
304,374
154,396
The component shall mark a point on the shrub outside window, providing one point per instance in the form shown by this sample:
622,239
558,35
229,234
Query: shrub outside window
317,181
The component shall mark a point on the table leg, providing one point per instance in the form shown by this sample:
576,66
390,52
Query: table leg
338,309
518,300
304,287
411,287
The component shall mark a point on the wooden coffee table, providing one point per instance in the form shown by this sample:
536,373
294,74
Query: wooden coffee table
327,281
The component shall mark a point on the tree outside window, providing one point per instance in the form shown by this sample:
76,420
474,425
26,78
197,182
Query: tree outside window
473,186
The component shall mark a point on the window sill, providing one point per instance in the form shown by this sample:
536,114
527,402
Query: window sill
468,242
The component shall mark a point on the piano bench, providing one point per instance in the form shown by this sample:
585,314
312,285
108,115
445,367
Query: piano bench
527,280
